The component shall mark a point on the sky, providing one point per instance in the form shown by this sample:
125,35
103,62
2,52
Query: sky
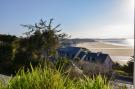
78,18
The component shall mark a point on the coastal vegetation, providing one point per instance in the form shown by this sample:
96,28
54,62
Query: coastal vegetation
39,43
33,63
48,78
125,70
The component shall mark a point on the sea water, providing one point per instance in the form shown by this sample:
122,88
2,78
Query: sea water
120,42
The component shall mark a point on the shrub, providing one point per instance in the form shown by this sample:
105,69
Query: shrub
48,78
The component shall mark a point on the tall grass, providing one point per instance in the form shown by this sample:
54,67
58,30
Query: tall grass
1,85
47,78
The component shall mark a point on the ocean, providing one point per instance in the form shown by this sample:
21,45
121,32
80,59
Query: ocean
121,53
120,42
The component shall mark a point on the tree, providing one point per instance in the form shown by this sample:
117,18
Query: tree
40,43
130,66
6,52
42,40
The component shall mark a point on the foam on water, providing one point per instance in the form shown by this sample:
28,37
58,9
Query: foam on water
121,42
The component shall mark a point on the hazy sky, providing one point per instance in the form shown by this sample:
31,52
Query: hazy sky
79,18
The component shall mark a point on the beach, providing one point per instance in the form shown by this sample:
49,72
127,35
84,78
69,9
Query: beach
118,53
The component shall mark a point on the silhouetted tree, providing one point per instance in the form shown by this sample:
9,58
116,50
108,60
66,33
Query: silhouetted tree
40,43
6,52
44,38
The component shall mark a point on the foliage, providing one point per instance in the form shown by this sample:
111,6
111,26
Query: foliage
40,43
62,63
7,38
129,68
44,37
1,85
6,53
120,72
48,78
124,69
6,47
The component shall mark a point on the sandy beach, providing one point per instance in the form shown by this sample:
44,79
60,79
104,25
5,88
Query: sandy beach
118,53
113,50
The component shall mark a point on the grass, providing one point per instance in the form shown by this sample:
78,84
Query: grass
120,72
123,73
47,78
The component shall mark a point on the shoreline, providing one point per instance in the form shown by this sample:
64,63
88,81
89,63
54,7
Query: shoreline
120,54
118,44
113,50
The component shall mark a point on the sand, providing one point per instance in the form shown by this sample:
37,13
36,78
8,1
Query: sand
120,54
112,50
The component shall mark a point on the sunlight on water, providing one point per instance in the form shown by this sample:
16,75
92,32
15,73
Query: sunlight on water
121,42
130,42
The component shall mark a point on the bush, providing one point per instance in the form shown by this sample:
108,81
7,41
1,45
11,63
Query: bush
48,78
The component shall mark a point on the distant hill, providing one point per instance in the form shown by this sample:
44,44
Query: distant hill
7,38
76,41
